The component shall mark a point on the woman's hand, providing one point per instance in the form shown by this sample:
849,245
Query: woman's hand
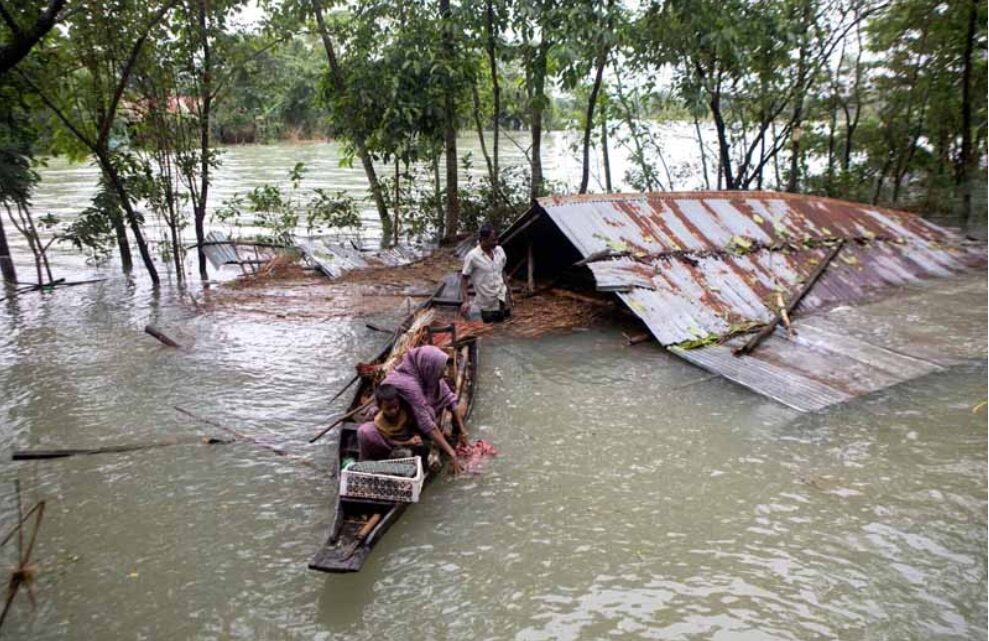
456,467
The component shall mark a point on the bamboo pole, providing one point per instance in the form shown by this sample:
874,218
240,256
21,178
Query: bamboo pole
248,439
341,420
770,327
36,455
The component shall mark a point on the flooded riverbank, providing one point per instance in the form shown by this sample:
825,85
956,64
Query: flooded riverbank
633,496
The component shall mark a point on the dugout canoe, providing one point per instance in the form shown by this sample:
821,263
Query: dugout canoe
358,525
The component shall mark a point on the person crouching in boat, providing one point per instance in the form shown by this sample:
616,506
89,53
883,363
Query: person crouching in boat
423,394
391,428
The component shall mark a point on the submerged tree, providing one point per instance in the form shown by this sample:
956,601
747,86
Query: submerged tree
341,87
83,82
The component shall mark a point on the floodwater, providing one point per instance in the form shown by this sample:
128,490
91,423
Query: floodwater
633,497
66,188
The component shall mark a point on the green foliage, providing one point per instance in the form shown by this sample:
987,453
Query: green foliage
279,213
476,199
864,97
91,232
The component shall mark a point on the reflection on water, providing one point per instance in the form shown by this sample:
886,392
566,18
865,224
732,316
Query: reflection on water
631,499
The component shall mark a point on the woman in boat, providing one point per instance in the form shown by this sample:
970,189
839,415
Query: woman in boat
421,388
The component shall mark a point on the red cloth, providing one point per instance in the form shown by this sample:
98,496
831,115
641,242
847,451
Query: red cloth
473,456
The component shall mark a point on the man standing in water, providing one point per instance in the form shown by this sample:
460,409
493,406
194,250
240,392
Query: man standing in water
484,266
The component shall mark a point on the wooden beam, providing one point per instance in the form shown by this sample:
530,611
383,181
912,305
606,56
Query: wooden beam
521,228
530,261
157,333
770,327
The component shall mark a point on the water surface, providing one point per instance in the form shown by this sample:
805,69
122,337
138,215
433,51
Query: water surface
633,497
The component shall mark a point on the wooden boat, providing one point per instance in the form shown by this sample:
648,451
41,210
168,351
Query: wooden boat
359,524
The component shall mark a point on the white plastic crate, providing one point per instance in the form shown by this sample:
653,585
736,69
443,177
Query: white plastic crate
383,487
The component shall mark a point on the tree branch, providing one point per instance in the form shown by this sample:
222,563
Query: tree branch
104,130
22,42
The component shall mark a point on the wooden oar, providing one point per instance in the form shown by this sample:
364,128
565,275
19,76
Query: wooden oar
362,534
341,420
346,387
378,328
36,455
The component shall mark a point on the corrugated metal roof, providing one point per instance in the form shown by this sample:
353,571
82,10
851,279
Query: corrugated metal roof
335,258
695,264
220,252
703,264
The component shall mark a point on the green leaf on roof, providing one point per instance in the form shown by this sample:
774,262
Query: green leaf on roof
701,341
636,306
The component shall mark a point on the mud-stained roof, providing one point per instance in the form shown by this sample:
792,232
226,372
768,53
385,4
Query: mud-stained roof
699,266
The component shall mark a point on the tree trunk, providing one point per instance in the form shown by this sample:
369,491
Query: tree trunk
967,173
724,147
24,230
700,145
450,133
537,101
360,144
604,150
22,41
173,220
851,122
480,138
120,233
177,252
496,99
832,143
39,250
6,264
793,181
135,225
199,210
398,197
881,179
437,188
585,171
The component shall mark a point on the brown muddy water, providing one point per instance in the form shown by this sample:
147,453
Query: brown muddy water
633,498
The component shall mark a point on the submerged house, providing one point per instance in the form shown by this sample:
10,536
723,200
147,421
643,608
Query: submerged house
702,270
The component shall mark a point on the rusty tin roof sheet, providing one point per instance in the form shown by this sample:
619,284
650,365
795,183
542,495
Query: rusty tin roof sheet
679,278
